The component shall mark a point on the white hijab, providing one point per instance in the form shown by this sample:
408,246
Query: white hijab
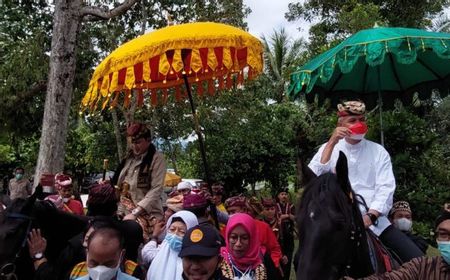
167,265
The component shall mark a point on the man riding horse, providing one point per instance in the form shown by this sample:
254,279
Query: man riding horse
370,174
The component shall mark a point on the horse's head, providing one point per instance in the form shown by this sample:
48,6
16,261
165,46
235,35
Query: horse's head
330,226
15,224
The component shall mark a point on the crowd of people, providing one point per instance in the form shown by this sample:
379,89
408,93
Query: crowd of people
141,229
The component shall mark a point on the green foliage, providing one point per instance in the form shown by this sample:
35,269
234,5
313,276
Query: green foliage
25,36
334,20
88,144
419,161
6,154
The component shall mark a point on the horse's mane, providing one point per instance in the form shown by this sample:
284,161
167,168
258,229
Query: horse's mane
15,207
327,182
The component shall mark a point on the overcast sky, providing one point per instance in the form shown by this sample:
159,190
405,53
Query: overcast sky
268,15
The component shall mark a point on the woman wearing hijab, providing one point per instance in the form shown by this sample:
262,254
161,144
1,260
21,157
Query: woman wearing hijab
242,257
166,264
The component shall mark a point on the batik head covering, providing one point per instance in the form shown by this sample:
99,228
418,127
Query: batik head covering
400,206
138,130
351,108
253,256
236,201
62,181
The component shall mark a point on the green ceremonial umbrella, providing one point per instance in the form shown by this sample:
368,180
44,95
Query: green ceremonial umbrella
378,64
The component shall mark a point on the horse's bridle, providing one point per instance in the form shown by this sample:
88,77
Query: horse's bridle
8,271
355,240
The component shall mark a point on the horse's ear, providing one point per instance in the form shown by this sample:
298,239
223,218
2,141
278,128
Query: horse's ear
31,200
307,174
342,173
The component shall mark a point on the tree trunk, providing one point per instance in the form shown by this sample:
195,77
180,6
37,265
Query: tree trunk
66,24
117,134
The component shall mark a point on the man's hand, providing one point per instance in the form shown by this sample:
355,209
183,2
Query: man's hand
130,217
104,182
284,216
158,228
339,133
367,221
36,243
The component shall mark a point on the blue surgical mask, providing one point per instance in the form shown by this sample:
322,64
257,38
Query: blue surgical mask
19,176
444,248
174,241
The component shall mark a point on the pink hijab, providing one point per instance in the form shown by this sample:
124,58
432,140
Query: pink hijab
253,256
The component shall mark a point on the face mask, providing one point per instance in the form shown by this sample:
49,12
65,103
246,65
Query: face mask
167,190
403,224
358,130
102,272
174,241
66,199
444,248
19,176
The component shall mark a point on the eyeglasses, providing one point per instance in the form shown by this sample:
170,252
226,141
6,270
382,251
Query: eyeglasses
443,235
234,238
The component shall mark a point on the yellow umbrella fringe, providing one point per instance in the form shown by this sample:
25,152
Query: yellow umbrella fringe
196,61
177,62
146,71
105,86
227,59
164,65
212,59
129,78
159,47
114,81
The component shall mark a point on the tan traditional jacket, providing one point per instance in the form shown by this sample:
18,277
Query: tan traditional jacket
146,187
19,188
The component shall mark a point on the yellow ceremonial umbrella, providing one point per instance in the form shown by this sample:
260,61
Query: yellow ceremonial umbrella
171,179
208,54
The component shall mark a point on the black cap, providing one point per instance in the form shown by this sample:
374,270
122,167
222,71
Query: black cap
445,215
201,240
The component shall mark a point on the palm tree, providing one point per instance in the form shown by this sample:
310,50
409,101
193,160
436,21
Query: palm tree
282,54
441,24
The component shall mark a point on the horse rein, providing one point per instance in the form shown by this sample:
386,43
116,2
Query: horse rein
355,237
8,271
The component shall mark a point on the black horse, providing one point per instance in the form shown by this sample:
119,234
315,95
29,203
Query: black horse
17,221
332,237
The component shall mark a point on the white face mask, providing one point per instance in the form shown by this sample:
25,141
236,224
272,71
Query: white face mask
403,224
66,199
357,136
102,272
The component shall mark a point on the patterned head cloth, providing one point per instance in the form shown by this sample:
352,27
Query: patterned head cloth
62,181
175,203
268,202
239,201
351,108
138,130
101,194
194,200
254,204
400,206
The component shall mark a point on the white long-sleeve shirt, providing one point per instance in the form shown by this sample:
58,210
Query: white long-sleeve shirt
370,174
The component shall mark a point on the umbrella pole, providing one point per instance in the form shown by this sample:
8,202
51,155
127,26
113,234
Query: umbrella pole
202,149
380,106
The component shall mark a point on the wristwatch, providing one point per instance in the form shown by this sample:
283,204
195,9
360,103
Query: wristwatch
373,218
136,211
38,256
